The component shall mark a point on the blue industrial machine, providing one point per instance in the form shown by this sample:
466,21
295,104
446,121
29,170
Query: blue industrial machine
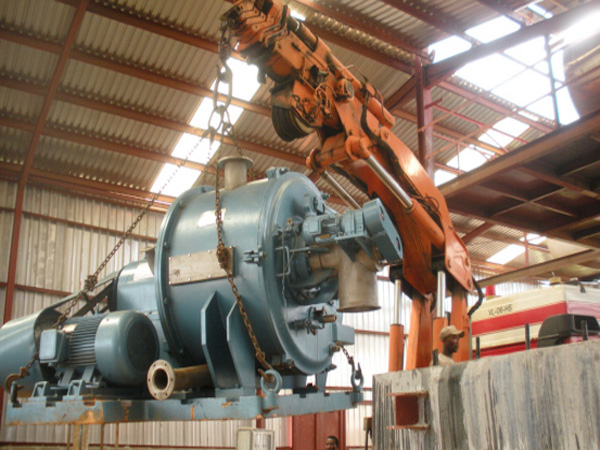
166,339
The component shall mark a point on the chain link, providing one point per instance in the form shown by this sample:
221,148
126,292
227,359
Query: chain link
224,75
92,280
356,373
223,257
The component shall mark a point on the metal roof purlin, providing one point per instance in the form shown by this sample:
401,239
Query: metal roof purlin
548,266
432,18
481,229
361,25
523,155
78,137
437,72
494,106
26,169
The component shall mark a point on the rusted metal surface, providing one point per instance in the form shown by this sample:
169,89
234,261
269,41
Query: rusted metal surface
536,399
95,411
548,187
200,266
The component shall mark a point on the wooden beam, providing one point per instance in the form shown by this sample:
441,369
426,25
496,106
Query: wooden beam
523,155
537,269
437,72
476,232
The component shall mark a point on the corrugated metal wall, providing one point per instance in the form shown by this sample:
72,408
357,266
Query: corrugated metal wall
64,238
58,255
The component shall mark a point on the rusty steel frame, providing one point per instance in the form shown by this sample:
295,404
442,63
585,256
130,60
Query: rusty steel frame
183,86
437,72
424,118
391,37
548,266
27,166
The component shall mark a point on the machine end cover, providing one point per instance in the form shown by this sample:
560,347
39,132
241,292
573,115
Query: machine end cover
125,347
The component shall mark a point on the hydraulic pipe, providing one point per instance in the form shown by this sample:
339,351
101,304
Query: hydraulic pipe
441,292
338,188
398,302
163,379
441,320
414,209
396,356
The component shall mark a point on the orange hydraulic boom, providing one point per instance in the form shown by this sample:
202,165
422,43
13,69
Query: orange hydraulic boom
314,91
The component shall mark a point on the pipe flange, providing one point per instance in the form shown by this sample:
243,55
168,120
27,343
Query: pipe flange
161,380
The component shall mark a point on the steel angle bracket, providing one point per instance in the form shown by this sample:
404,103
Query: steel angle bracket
115,411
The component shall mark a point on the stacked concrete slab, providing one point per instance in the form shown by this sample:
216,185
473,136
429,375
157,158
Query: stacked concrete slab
537,399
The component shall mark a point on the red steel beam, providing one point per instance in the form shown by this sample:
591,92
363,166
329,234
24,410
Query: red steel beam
476,232
86,226
448,132
391,37
124,149
149,119
37,290
165,30
424,119
125,69
27,166
433,18
363,50
183,86
437,72
211,46
121,193
494,106
404,94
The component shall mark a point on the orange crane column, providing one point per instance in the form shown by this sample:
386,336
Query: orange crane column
440,321
396,346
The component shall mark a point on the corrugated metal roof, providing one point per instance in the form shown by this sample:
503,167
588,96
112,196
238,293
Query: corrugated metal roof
40,17
26,62
19,104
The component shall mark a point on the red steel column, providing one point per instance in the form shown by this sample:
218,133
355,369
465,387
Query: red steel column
424,119
27,166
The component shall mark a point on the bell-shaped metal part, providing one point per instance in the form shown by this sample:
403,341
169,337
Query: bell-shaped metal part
357,280
236,170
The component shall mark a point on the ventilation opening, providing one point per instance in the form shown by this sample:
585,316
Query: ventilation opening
410,410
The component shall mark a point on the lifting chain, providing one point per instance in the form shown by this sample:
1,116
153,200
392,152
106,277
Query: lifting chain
224,75
223,257
92,280
356,378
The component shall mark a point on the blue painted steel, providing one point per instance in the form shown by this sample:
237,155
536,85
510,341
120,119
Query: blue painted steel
100,411
125,347
274,226
253,219
19,341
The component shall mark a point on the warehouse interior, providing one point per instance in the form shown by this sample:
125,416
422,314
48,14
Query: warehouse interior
106,111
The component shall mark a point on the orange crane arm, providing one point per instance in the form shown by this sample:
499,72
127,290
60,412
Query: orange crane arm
314,91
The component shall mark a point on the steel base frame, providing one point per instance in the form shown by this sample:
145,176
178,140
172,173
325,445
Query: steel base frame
94,411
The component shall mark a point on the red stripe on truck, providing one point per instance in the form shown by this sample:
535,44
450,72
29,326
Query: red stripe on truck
531,316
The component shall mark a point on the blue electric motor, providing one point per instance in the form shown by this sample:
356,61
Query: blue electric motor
295,262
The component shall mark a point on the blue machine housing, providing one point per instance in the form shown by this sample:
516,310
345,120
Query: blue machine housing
181,308
202,320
